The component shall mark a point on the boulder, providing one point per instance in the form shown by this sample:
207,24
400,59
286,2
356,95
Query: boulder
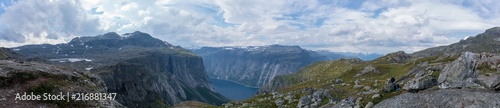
492,81
391,87
457,72
346,103
279,102
376,96
420,83
338,81
304,101
448,98
369,105
366,70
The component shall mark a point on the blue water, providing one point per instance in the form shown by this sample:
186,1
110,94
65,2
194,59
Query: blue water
233,91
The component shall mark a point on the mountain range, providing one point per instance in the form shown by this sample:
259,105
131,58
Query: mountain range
142,70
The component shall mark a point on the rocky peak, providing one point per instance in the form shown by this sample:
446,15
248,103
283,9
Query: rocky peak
489,42
396,57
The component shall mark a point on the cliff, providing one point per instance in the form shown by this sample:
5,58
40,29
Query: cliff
142,70
255,65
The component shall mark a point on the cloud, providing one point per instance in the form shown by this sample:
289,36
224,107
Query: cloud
43,22
380,26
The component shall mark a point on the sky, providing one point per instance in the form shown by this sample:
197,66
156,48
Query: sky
369,26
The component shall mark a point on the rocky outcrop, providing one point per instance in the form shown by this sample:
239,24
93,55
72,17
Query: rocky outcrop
491,81
443,99
255,65
396,57
368,69
142,70
420,83
456,73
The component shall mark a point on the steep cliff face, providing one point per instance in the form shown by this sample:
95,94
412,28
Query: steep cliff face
157,77
255,65
142,70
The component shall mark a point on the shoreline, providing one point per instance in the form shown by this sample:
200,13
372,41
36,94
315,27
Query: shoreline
236,83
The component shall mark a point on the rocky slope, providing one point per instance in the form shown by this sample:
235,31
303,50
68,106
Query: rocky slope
142,70
466,79
255,65
489,42
18,76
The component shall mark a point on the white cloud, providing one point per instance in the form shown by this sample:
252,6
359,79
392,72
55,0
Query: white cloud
375,26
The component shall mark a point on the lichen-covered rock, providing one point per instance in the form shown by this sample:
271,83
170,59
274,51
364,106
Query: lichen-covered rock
304,101
457,72
420,83
491,81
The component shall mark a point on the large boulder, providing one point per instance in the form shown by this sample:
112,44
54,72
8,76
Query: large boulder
304,101
456,73
450,98
420,83
491,82
366,70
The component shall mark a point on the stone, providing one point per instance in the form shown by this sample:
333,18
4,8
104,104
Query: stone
357,106
376,96
304,101
358,100
357,86
369,105
346,103
366,70
367,88
279,102
390,87
338,81
446,98
492,81
420,83
356,82
455,73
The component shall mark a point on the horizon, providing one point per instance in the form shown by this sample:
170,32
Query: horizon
358,26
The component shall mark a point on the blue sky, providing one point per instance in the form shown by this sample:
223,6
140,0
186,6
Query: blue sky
378,26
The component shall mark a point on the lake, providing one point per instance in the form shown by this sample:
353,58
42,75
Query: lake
232,90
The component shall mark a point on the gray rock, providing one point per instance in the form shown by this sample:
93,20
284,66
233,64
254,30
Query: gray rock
376,96
367,88
455,73
366,70
357,86
279,102
356,82
492,81
346,103
420,83
390,87
449,98
304,101
338,81
369,105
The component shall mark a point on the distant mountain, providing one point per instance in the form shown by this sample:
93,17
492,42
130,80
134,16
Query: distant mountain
255,65
6,53
142,70
489,42
337,55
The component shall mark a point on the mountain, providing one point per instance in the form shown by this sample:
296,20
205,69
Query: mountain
488,42
142,70
465,77
6,53
255,65
337,55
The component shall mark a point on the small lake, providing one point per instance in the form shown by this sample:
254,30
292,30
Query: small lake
232,90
